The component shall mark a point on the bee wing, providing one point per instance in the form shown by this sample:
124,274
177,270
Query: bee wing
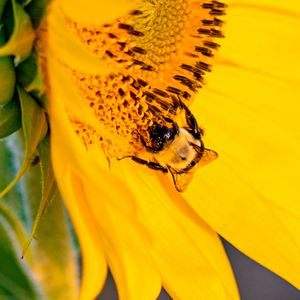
204,156
207,157
181,179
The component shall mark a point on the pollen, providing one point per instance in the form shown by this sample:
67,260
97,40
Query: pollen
159,53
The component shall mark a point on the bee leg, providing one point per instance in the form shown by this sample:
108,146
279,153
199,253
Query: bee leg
192,122
150,149
150,164
156,166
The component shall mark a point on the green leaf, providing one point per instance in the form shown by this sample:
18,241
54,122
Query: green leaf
34,128
15,277
21,41
10,117
53,249
7,74
29,75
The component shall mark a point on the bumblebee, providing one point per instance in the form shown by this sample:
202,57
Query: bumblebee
178,150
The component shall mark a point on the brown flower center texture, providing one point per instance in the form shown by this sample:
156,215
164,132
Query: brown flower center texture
160,53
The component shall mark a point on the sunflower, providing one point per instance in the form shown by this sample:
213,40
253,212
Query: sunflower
130,218
100,63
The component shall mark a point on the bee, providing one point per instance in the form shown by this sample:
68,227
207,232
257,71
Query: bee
178,150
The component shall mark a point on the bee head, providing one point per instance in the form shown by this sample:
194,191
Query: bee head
161,136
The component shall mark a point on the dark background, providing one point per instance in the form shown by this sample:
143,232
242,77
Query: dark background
254,281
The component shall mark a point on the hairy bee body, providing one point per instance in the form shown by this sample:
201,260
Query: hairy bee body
175,149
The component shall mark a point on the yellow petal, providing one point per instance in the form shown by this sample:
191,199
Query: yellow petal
266,52
94,264
263,152
63,45
127,255
96,11
264,133
188,253
291,222
249,110
241,215
70,146
289,6
65,99
67,152
133,270
76,155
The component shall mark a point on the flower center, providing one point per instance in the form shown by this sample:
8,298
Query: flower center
159,54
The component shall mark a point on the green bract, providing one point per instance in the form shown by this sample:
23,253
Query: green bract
10,118
48,270
29,75
34,128
15,279
21,40
20,104
7,75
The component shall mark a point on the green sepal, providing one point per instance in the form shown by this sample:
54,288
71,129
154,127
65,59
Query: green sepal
34,127
17,228
21,40
26,71
29,75
2,6
7,74
51,255
37,9
25,2
11,154
47,184
16,279
53,247
10,117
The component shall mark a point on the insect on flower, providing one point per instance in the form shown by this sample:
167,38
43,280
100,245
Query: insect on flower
177,149
133,97
155,74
